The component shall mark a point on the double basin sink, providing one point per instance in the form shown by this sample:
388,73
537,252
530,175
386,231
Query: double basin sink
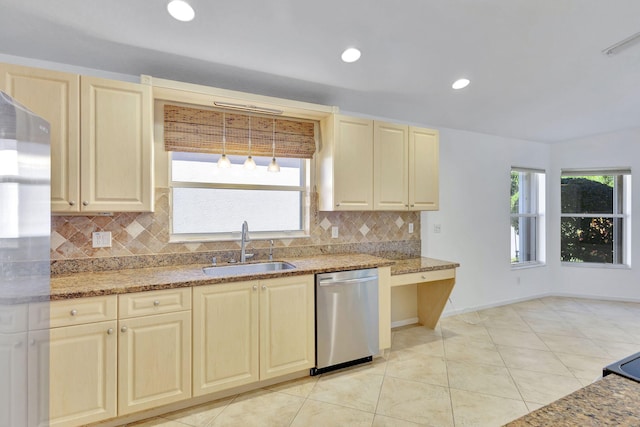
241,269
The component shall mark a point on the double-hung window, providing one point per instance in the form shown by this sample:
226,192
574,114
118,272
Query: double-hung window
595,216
527,216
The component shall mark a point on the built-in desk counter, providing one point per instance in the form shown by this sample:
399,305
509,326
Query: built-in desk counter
434,280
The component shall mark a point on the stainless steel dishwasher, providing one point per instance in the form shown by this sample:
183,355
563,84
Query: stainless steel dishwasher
346,319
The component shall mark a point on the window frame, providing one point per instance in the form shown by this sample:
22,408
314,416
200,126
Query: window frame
537,194
305,207
621,251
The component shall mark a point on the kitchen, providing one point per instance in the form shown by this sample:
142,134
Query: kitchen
482,281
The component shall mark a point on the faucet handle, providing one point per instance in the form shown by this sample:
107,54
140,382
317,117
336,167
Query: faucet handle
248,256
214,260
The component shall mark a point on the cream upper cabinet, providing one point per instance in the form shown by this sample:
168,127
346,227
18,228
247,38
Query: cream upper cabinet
72,367
345,164
101,138
154,351
225,336
55,96
250,331
287,325
423,169
391,164
117,150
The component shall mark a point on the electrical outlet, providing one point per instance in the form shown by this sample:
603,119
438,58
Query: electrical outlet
437,228
101,239
410,227
334,232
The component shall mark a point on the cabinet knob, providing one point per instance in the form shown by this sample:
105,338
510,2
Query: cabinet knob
337,204
109,331
406,206
32,342
424,277
85,203
156,303
72,202
255,287
264,287
123,329
73,312
412,206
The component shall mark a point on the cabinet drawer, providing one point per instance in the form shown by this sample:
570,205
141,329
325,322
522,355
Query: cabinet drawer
154,302
76,311
421,277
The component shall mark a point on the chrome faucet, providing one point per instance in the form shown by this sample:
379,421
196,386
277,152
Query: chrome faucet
243,242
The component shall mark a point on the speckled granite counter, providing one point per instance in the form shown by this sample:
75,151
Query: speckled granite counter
611,401
144,279
418,265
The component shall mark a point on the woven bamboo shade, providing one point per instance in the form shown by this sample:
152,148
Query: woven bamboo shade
200,131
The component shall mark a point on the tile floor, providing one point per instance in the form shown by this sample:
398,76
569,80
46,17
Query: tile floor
476,369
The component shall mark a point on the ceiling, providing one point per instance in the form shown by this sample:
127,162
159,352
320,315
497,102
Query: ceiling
536,67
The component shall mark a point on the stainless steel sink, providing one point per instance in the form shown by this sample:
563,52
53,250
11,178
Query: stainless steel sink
253,268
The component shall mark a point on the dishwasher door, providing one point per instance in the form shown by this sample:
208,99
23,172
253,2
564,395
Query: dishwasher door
346,318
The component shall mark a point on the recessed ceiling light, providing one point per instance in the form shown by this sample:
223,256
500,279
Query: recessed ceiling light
460,83
181,10
351,55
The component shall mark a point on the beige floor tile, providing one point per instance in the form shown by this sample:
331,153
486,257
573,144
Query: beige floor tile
459,328
553,327
431,347
199,415
533,304
382,421
416,402
584,367
543,388
321,414
539,314
533,406
565,304
506,320
618,350
513,338
459,348
477,410
355,389
157,422
608,332
300,387
532,360
575,345
418,367
486,379
259,408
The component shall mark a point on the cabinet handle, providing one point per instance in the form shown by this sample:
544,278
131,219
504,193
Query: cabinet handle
264,287
73,312
406,206
156,303
412,206
123,329
255,287
109,331
85,203
72,202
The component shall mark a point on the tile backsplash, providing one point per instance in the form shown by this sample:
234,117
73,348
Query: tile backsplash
144,234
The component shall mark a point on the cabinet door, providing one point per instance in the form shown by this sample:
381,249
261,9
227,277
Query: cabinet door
225,336
423,169
55,97
72,374
116,146
287,326
13,386
154,361
390,172
353,164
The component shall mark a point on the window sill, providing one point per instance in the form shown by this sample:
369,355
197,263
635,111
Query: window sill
523,265
596,265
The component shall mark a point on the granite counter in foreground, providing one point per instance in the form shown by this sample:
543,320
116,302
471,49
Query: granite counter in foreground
611,401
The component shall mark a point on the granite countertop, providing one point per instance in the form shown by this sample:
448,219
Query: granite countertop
421,264
611,401
88,284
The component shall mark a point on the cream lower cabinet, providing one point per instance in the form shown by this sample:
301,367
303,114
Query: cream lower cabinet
72,369
154,350
250,331
13,365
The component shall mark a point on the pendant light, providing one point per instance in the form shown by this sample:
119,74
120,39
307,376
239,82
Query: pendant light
249,164
223,161
274,166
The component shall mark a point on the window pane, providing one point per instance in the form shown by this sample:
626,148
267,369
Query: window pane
199,210
587,194
523,239
198,167
592,239
524,192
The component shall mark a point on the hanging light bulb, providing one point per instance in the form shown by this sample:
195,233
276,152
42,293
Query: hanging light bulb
274,166
223,161
249,164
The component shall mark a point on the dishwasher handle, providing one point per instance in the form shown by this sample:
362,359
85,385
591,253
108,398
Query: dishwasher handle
339,282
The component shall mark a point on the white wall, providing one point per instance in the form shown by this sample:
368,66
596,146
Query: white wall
620,149
474,218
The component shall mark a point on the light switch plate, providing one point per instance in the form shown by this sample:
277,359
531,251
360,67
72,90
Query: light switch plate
334,232
437,228
101,239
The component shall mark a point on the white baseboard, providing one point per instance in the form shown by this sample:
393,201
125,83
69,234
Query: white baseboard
398,323
450,309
